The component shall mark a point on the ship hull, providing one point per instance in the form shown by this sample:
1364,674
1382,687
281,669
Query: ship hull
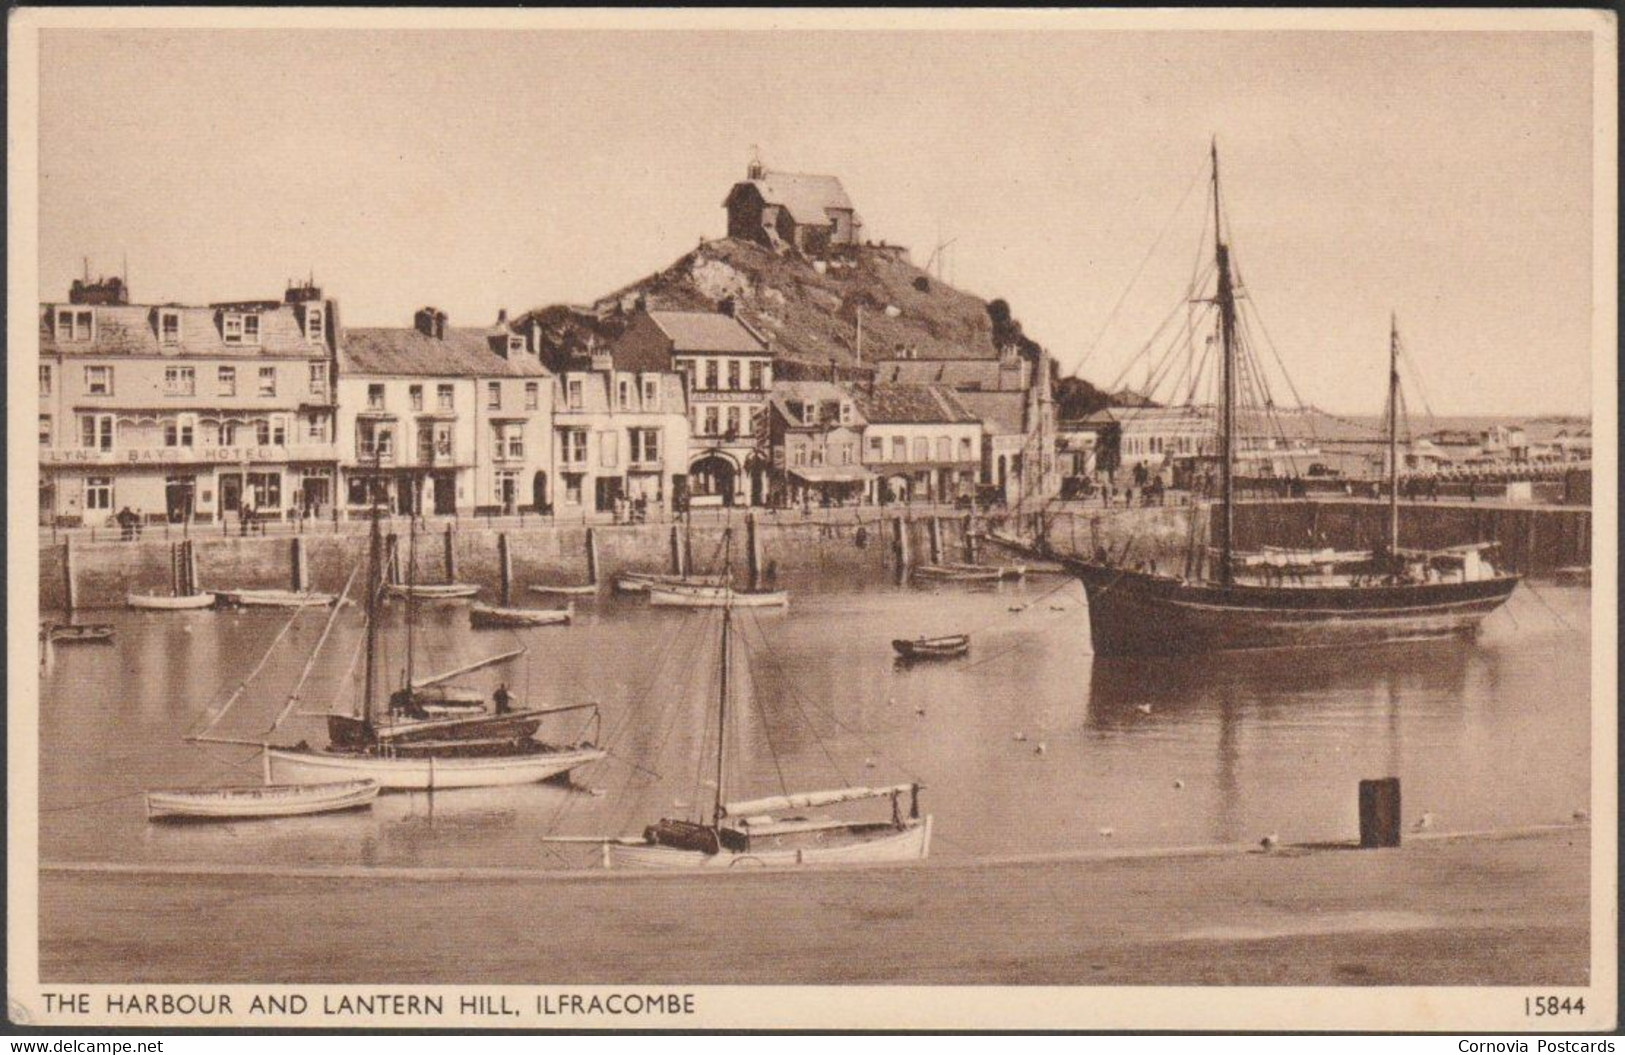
910,843
1133,613
294,766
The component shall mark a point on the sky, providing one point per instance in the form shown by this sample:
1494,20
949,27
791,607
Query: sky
1446,177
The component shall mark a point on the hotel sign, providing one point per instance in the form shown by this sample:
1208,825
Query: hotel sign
184,455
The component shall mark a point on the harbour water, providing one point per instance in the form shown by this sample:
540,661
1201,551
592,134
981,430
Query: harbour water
1029,745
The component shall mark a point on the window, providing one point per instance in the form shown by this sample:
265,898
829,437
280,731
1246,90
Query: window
965,451
846,413
98,380
651,393
75,325
877,449
608,450
443,397
516,344
240,328
733,374
96,431
508,442
318,380
279,430
733,422
169,327
228,433
98,492
645,444
493,395
313,324
623,394
572,489
376,439
251,331
756,377
266,489
178,433
375,397
442,440
711,421
922,449
573,394
899,449
711,374
414,395
817,453
262,432
267,380
846,454
798,457
573,447
180,381
533,395
316,428
945,449
227,379
44,380
45,430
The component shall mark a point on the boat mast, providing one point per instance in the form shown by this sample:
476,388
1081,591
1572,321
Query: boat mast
1226,299
722,691
374,575
411,599
1393,435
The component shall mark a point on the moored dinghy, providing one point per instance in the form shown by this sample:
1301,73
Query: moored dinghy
967,573
159,602
493,617
272,599
259,802
588,589
948,646
441,591
80,633
716,597
641,582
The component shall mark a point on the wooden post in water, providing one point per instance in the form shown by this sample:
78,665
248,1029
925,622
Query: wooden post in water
969,539
592,556
70,591
1379,813
505,565
392,557
300,566
676,550
934,536
451,553
899,538
753,551
1529,544
191,568
175,569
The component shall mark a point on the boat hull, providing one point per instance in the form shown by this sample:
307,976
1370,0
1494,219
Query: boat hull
911,843
162,603
295,766
489,617
272,599
256,803
81,634
584,590
932,648
640,582
435,592
715,597
940,573
1133,613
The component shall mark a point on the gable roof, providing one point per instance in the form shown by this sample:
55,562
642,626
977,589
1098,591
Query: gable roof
969,374
803,392
806,197
707,331
405,351
894,404
132,329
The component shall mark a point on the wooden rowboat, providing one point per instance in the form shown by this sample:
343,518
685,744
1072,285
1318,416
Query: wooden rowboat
491,617
80,633
640,582
584,590
256,803
716,597
957,573
272,599
949,646
448,591
168,603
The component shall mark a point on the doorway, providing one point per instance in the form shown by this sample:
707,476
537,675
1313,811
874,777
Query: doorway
538,493
606,490
445,494
231,492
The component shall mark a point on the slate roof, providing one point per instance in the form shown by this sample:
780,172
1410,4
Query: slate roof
983,374
132,329
707,331
894,404
1002,413
407,352
805,197
803,392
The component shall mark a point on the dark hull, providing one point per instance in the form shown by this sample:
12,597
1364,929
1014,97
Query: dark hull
936,648
349,733
1133,613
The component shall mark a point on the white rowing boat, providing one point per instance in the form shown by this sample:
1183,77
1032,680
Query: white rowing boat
641,582
272,599
160,602
447,591
426,772
492,617
255,803
584,590
716,597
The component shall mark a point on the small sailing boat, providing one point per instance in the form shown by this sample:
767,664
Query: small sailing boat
495,617
255,802
1400,595
272,599
773,831
948,646
641,582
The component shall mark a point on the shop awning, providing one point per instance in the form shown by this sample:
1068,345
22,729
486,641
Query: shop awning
832,474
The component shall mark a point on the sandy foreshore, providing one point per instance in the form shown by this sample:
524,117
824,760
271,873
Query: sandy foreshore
1467,911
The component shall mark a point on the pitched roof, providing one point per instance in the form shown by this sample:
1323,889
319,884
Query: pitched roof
969,374
405,351
804,392
894,404
132,329
1003,413
806,197
707,331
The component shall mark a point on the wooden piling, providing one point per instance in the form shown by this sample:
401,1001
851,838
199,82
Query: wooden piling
934,537
1379,813
176,587
451,553
70,590
300,566
592,556
753,551
899,536
505,567
191,567
676,550
969,539
392,557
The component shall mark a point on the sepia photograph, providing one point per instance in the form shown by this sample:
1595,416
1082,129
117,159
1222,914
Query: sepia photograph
742,520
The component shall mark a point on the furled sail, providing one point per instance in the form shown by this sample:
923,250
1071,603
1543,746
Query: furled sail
806,799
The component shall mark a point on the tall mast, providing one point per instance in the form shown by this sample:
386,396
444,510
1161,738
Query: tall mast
411,598
722,690
1393,435
1226,298
374,575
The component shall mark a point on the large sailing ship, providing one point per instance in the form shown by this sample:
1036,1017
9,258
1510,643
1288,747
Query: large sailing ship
1242,601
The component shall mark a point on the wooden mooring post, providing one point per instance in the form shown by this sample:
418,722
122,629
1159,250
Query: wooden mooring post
175,584
392,557
1379,813
451,553
969,539
299,562
191,568
592,556
677,551
934,537
505,567
899,540
70,590
753,551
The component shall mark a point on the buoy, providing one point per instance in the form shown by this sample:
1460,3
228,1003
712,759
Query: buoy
919,710
868,763
1018,607
1143,708
1040,749
1107,833
1020,738
891,699
1179,783
1424,822
1270,841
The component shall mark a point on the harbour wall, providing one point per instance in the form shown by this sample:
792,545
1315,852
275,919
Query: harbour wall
856,546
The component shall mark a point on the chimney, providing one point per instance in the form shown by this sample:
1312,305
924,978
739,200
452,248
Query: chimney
502,316
728,307
104,291
431,322
834,370
535,337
